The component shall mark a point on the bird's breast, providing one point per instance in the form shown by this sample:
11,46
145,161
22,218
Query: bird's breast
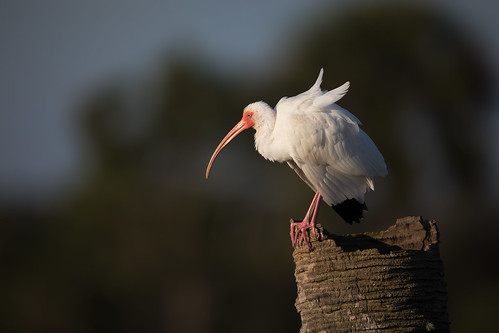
272,148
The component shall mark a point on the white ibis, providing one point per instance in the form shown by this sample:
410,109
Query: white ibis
322,143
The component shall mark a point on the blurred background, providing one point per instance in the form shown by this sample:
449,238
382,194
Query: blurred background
110,111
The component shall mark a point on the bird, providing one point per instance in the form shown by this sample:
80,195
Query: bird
323,143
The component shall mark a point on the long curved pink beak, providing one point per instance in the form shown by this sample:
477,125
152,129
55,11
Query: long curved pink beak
240,126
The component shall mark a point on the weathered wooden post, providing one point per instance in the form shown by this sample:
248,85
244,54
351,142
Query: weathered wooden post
390,281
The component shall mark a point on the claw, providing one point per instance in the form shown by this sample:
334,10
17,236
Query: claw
307,223
299,233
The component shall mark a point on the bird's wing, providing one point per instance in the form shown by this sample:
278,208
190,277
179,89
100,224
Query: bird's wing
335,187
327,148
331,97
334,155
316,88
326,97
315,99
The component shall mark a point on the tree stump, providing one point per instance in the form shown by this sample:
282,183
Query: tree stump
389,281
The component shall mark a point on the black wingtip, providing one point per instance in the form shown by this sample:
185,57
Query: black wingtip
350,210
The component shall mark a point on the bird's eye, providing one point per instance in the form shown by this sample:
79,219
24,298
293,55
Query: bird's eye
248,115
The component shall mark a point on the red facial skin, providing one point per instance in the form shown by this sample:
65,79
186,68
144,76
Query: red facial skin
248,118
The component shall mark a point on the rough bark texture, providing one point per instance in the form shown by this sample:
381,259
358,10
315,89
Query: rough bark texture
389,281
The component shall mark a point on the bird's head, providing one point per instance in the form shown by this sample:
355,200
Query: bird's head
253,116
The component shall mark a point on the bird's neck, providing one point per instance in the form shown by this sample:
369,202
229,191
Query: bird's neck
265,142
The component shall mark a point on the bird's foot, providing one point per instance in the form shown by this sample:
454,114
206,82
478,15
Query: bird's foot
299,233
307,223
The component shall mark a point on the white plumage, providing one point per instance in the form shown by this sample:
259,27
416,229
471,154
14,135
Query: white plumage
321,141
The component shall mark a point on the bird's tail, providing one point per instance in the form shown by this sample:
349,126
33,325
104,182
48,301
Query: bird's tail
350,210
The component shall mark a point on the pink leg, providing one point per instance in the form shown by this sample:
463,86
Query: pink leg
307,223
